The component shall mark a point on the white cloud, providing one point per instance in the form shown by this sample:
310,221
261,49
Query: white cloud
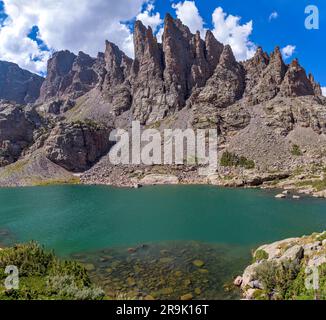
288,51
273,16
188,13
74,25
150,18
323,89
83,25
228,30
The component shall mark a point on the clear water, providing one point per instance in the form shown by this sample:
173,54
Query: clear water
178,224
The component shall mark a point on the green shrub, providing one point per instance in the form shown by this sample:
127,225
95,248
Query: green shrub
230,159
296,151
277,278
261,255
43,276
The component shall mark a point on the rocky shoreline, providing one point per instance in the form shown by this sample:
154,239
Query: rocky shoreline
295,185
280,270
130,177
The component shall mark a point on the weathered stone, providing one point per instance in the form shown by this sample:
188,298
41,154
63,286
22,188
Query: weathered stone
18,85
238,281
186,297
17,128
198,263
68,75
77,146
295,82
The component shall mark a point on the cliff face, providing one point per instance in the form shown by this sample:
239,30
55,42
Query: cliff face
165,77
68,75
260,107
17,127
18,85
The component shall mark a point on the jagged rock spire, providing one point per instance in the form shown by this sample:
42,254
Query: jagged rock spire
316,86
213,50
296,82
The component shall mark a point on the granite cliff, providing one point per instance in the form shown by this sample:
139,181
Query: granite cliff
265,111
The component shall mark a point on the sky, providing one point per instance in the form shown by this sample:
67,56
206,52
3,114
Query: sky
31,30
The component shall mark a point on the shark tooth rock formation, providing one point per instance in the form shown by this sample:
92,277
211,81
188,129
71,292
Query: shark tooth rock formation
295,82
149,91
259,107
269,78
164,75
114,84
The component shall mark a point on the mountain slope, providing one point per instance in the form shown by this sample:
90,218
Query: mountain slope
18,85
271,113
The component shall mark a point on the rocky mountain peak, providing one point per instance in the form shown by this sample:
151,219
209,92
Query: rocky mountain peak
68,76
146,46
18,85
296,82
227,58
261,57
117,65
213,50
316,86
264,75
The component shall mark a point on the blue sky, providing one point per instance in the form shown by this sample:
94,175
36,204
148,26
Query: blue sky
32,33
287,29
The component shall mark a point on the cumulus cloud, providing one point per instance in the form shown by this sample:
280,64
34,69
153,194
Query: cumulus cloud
323,89
288,51
229,30
74,25
83,25
149,18
273,16
188,13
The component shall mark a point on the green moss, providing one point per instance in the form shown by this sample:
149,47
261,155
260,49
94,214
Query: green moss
319,185
14,168
321,237
89,123
53,182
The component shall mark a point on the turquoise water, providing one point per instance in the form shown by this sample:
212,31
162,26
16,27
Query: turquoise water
88,220
77,218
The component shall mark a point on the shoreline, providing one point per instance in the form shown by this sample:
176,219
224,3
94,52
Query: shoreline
168,180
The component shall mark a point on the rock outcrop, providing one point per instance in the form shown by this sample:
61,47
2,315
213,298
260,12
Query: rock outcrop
296,83
68,76
77,146
164,75
268,81
18,85
260,108
281,269
17,127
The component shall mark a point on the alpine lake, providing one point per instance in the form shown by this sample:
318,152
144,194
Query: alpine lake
160,242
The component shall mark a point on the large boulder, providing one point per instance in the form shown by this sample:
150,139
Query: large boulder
77,146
